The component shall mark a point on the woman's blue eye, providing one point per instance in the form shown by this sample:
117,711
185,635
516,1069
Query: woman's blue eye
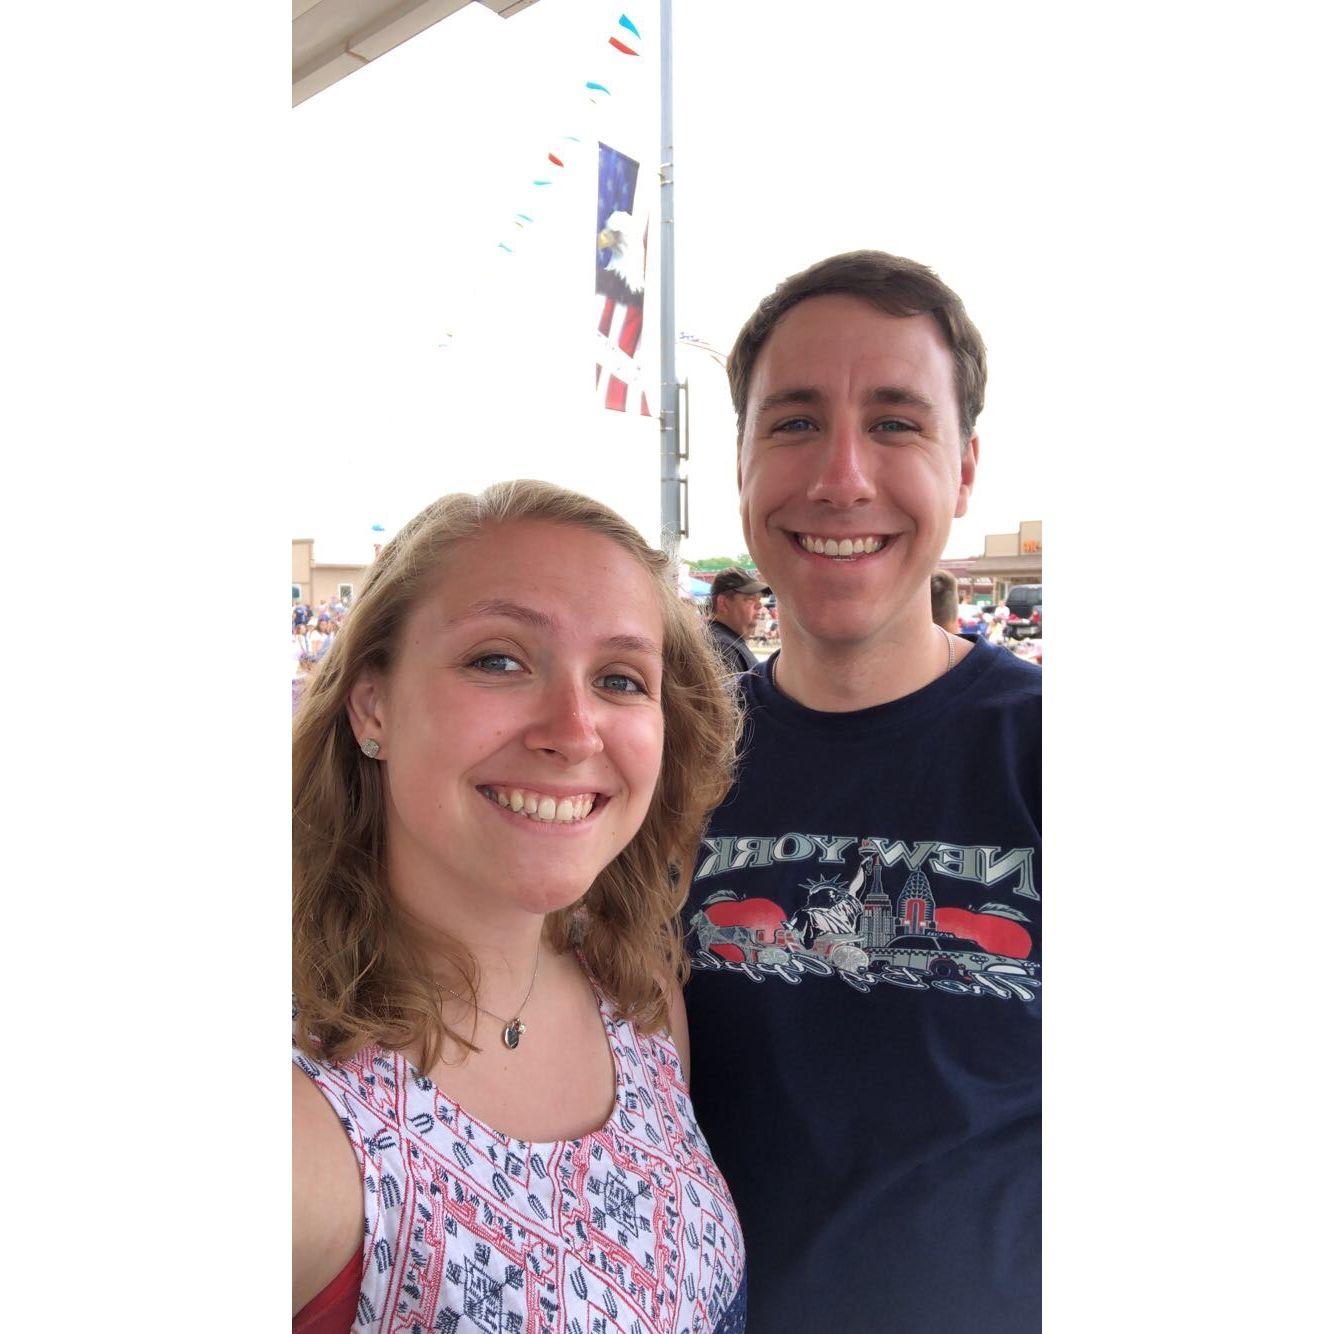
497,663
619,684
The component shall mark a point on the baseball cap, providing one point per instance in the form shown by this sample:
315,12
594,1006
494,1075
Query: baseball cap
736,580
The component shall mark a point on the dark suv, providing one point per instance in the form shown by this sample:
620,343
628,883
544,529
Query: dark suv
1025,604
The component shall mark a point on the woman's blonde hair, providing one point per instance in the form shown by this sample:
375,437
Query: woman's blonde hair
360,973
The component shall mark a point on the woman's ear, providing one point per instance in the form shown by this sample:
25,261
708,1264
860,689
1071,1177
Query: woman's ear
366,708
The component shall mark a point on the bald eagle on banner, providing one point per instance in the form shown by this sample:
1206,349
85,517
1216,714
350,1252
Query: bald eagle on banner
622,259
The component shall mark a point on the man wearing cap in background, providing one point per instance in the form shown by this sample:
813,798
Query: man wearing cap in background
736,599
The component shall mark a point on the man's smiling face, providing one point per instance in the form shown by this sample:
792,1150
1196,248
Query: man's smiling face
851,467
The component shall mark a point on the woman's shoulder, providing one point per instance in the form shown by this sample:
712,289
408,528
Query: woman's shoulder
370,1075
667,1048
327,1225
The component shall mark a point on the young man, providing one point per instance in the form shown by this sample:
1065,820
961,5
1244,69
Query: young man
735,602
864,919
945,601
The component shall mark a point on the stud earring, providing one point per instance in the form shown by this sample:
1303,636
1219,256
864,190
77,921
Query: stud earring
370,748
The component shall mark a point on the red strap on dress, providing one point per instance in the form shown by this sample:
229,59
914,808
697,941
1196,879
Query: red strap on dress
333,1310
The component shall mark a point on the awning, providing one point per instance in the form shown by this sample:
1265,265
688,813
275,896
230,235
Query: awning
331,38
690,585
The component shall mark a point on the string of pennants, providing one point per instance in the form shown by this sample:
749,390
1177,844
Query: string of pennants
626,41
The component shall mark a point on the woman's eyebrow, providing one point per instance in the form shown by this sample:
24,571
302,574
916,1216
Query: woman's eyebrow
516,611
633,644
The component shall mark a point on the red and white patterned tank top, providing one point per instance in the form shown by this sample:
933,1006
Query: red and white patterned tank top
628,1230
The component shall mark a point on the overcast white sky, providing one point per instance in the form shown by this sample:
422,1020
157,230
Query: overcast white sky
220,328
795,139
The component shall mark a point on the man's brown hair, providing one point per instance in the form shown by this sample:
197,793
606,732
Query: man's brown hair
896,286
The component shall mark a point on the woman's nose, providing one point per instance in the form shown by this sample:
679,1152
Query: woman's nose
566,725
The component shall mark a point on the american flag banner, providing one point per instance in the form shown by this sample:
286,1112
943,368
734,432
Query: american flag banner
622,258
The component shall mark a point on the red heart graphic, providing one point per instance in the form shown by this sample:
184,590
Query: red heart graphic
996,935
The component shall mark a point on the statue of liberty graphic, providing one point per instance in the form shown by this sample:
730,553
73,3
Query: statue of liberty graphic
829,922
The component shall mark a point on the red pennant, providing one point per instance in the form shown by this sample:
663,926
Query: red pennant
551,157
621,46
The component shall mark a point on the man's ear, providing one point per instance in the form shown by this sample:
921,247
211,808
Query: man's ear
366,708
967,474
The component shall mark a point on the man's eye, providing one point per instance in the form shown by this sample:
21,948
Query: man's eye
496,663
795,425
892,425
620,684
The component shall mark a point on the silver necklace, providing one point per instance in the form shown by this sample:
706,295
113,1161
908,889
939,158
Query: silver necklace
511,1029
949,648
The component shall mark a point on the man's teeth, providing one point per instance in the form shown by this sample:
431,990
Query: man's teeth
840,546
536,806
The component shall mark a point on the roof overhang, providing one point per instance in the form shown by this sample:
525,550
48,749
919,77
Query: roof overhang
331,38
1007,565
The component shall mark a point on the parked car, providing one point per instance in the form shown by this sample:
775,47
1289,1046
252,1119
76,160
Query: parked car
1022,598
1026,627
1025,604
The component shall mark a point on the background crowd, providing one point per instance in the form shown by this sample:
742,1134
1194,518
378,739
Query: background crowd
313,631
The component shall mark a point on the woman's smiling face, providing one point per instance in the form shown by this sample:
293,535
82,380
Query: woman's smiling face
521,723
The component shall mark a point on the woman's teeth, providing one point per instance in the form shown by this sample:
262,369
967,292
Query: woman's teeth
537,806
840,546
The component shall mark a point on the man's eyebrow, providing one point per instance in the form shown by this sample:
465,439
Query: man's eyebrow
786,397
898,396
889,394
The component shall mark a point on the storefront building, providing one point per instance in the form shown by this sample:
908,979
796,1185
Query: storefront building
314,582
1007,559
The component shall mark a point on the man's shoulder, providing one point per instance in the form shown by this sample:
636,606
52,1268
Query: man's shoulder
736,653
1000,685
1008,673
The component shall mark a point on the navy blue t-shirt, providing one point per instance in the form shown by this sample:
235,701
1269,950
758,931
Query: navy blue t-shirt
864,929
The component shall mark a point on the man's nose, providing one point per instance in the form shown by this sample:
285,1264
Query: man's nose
844,473
566,724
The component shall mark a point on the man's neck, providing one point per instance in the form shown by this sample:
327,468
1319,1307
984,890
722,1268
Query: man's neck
723,621
840,678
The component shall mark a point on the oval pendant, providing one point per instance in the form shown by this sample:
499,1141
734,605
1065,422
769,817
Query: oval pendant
514,1030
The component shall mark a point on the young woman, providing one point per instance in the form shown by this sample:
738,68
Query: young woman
501,772
321,637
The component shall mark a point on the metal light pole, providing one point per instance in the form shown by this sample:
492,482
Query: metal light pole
670,418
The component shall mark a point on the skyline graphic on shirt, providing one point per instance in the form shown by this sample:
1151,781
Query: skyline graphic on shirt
880,925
